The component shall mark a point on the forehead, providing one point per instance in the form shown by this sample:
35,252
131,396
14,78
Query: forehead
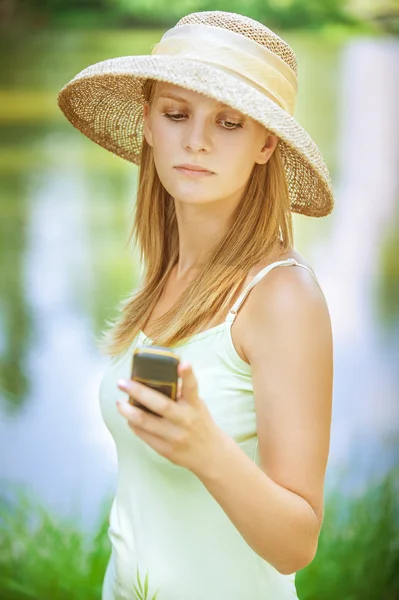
175,92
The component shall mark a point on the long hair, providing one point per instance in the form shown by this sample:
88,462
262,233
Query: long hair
261,219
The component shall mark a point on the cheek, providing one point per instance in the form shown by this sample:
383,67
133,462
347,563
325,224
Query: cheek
165,146
238,162
162,150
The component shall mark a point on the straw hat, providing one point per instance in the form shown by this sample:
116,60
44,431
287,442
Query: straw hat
226,56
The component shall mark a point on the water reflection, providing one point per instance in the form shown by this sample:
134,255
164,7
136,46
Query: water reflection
15,317
65,267
351,262
54,444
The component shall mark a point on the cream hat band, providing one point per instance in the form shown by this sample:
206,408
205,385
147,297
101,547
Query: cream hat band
233,52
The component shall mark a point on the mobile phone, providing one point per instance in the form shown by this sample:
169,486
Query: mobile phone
156,367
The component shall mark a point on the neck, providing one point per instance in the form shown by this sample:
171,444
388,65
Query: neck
201,229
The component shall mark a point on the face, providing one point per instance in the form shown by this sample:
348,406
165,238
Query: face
187,128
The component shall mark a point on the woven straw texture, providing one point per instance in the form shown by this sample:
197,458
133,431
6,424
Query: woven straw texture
105,102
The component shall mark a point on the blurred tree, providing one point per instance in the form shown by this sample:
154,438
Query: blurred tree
280,14
287,14
383,12
387,297
42,12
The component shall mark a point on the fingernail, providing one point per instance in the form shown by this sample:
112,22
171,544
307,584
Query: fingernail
122,383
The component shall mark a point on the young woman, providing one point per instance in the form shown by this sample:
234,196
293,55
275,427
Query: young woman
222,498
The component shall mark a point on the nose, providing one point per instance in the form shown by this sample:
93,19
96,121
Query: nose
196,135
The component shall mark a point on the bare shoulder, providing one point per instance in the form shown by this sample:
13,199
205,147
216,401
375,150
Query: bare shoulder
287,302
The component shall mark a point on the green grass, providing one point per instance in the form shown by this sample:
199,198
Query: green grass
358,552
47,558
43,557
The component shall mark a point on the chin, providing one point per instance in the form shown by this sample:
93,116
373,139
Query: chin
189,198
190,193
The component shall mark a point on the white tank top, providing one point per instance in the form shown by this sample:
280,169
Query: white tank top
164,524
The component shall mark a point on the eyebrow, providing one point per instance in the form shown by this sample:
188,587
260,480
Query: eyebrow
173,96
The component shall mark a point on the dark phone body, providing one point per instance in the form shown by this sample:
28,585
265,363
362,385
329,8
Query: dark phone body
156,367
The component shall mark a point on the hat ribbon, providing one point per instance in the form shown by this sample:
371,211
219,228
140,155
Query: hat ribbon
233,52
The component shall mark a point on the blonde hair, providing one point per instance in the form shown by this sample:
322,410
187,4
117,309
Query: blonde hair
262,218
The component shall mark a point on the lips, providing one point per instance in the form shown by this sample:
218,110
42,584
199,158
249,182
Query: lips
189,167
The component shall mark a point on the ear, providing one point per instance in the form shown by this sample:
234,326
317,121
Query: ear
268,149
147,127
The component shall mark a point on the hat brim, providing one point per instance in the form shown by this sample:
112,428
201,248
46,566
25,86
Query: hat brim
105,103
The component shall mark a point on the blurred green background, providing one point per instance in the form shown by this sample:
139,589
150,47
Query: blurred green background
66,207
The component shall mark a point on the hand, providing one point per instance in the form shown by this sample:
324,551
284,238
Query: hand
187,435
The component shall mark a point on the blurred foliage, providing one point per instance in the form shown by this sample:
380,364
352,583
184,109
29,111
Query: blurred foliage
284,14
358,551
45,558
385,13
280,14
387,298
16,315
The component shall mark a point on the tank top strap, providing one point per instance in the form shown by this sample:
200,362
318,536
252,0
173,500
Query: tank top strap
287,262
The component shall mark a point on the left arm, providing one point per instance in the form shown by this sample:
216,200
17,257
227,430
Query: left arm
278,508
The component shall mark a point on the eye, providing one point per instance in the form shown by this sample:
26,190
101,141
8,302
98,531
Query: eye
173,117
231,123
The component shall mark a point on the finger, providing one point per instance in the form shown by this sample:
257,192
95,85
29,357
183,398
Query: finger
179,389
156,443
152,399
160,445
141,421
189,383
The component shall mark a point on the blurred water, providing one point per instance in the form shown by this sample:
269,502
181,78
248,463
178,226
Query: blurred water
55,441
57,444
366,407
